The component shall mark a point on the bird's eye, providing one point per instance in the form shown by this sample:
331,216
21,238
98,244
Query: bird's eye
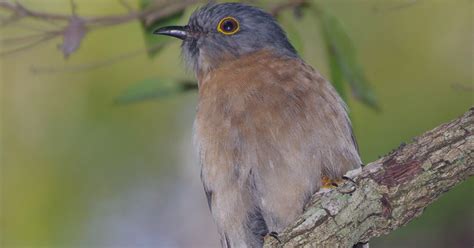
228,26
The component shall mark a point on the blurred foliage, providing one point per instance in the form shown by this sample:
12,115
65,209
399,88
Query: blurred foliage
151,40
341,52
343,61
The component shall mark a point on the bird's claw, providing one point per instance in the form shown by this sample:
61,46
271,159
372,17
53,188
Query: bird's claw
273,235
335,183
348,188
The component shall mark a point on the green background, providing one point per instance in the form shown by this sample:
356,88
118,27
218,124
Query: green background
79,170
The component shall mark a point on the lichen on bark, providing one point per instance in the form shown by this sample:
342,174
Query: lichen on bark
389,192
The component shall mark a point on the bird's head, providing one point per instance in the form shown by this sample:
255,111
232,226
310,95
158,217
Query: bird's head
219,32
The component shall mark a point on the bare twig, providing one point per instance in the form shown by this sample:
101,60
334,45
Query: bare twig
30,27
25,38
21,11
73,8
94,65
73,34
151,14
35,43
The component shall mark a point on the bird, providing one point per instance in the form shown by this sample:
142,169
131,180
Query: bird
269,130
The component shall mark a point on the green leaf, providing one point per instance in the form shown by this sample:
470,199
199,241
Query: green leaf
153,42
343,61
154,88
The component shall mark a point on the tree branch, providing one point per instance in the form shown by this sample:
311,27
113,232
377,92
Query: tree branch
73,28
21,11
389,192
150,15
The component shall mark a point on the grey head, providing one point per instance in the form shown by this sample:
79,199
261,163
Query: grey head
218,32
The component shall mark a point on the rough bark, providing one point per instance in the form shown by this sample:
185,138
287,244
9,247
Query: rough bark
389,192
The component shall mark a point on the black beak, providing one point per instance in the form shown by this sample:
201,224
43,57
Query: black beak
174,31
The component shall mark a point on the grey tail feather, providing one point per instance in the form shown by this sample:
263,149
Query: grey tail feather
257,224
225,241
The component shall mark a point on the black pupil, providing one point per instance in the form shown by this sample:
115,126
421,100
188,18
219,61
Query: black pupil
228,26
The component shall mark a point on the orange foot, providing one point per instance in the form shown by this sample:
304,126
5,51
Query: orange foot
329,183
347,188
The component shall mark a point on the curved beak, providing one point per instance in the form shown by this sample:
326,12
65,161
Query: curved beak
174,31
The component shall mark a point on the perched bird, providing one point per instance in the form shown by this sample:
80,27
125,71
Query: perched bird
270,130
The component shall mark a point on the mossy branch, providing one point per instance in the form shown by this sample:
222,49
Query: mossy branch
389,192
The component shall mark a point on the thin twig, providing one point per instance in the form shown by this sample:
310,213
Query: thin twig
22,11
151,14
28,46
20,39
29,27
95,65
9,20
73,8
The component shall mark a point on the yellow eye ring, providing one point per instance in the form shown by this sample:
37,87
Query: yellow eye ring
228,26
